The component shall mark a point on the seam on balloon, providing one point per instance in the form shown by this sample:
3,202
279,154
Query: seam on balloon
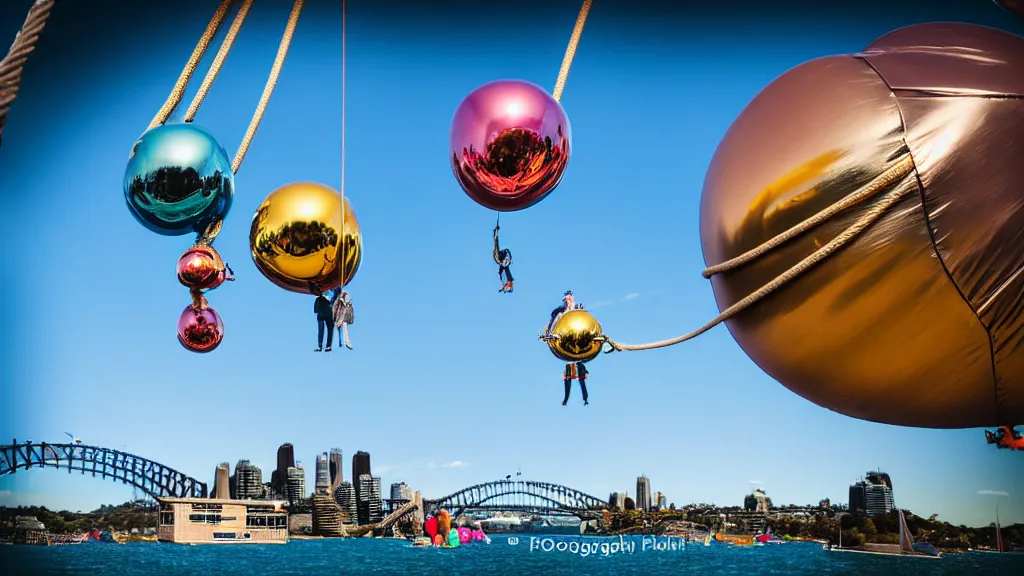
935,243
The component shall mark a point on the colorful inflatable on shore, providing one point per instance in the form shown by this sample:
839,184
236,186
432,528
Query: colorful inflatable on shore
442,534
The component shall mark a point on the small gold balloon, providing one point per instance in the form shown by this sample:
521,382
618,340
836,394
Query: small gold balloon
579,337
296,236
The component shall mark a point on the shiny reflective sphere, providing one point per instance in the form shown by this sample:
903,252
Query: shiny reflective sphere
509,144
579,337
200,330
917,322
1015,7
296,237
201,267
178,180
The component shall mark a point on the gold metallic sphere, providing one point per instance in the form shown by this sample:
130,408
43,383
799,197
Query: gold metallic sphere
296,236
579,337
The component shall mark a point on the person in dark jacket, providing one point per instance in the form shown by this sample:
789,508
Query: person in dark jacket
324,322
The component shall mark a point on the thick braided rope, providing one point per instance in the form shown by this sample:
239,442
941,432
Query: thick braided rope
870,216
570,51
12,65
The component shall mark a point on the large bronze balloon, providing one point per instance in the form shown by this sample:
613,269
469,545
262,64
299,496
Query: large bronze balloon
578,337
296,236
920,320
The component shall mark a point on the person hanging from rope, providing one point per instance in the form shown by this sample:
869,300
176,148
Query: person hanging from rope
503,258
575,371
344,315
568,303
324,318
1005,437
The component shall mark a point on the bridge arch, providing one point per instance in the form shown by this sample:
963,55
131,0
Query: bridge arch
152,478
526,495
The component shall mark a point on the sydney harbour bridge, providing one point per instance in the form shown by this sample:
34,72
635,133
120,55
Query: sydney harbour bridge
157,480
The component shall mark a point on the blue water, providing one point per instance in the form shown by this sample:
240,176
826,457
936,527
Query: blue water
386,557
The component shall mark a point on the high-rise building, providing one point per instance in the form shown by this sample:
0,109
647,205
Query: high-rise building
401,491
613,500
657,499
360,466
337,467
662,502
643,493
247,481
369,499
873,495
858,497
620,500
279,478
222,481
345,496
877,500
296,488
323,474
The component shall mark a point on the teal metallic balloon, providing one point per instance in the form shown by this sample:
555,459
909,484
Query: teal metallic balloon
178,180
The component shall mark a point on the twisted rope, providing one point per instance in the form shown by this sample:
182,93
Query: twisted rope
570,51
870,216
13,64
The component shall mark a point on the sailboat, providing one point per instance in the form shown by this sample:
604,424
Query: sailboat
907,544
1000,547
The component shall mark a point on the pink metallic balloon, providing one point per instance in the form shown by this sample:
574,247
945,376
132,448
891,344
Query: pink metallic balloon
509,144
200,330
201,267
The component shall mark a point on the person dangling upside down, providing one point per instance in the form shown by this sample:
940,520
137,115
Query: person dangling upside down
1005,437
503,258
574,371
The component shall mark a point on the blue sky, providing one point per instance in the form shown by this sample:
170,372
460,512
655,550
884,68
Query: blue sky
447,385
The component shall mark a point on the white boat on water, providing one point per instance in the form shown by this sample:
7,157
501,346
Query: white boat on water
907,546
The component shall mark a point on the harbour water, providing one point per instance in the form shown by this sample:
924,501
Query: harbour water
554,556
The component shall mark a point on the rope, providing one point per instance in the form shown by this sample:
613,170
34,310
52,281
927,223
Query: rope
211,232
883,181
178,92
871,215
218,61
13,64
570,51
344,253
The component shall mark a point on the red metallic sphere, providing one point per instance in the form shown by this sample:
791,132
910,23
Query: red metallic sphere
200,330
201,267
509,144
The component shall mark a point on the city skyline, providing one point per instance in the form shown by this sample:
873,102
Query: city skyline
447,385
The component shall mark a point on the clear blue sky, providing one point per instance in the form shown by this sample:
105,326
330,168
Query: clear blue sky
447,385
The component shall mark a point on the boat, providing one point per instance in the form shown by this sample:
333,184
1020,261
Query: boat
906,547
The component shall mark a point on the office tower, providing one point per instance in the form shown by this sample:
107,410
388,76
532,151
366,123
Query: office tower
337,467
296,488
279,478
368,495
613,500
222,482
657,499
360,466
877,500
873,495
643,493
246,482
662,502
345,496
858,497
323,474
620,500
401,491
